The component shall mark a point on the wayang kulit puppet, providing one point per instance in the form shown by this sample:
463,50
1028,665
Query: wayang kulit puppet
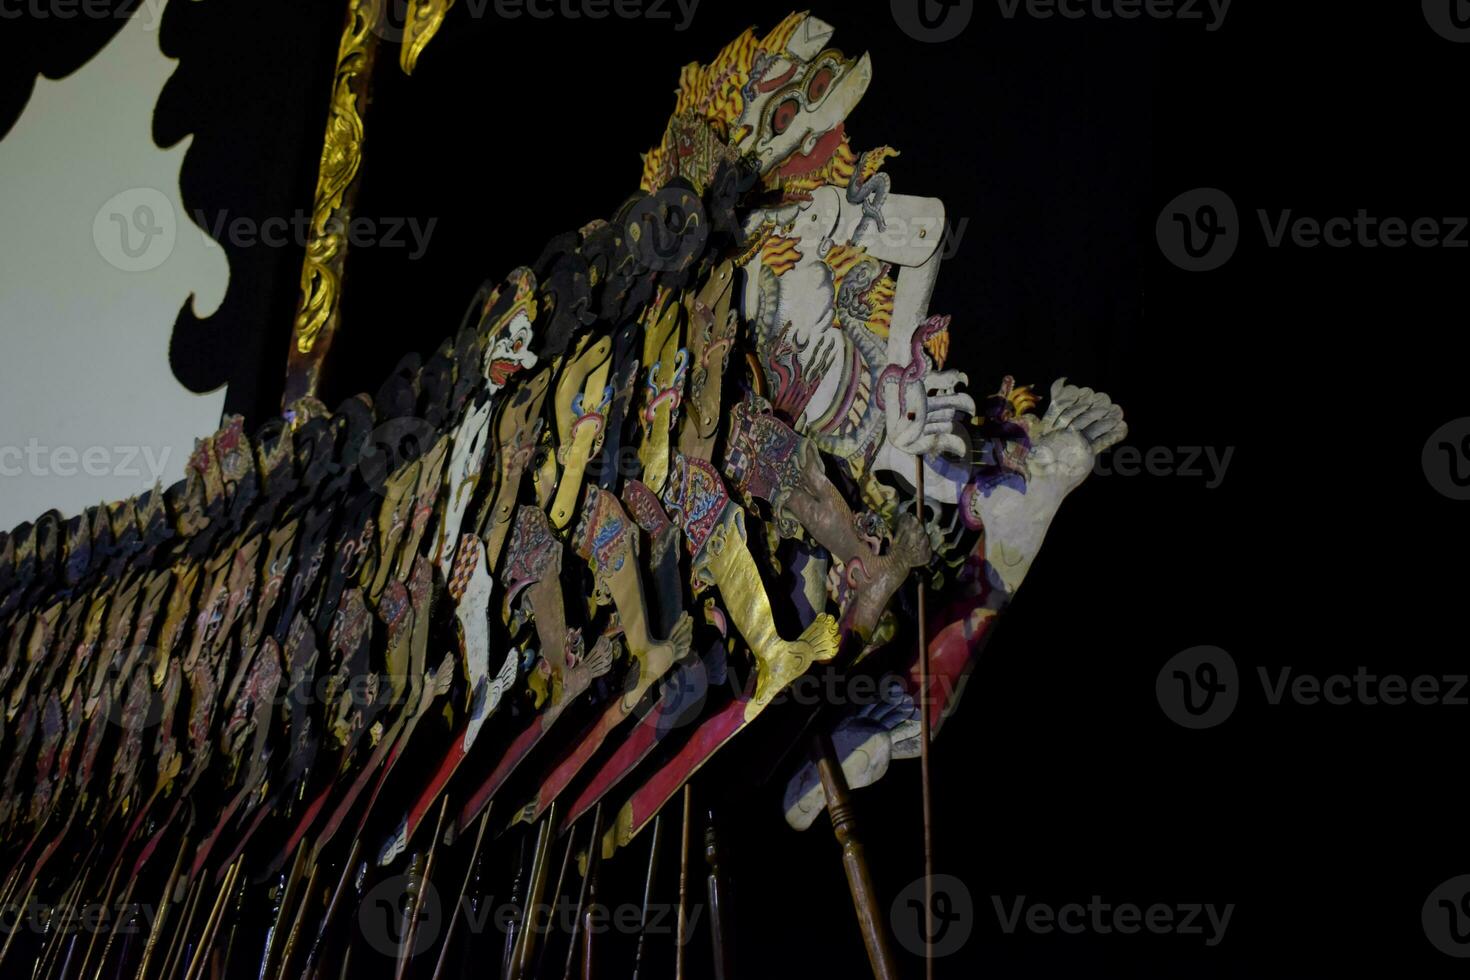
658,475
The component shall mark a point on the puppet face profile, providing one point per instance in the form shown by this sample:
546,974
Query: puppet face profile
779,101
796,102
509,315
511,352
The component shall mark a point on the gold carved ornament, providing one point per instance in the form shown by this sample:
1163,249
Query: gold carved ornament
317,315
422,22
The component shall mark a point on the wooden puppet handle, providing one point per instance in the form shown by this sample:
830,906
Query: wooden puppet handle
720,936
854,860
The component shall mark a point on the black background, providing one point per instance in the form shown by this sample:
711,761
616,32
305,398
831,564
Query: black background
1058,143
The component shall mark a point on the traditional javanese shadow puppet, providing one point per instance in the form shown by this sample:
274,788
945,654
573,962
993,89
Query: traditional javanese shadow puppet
656,476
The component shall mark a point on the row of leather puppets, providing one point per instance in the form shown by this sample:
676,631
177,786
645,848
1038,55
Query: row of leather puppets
83,600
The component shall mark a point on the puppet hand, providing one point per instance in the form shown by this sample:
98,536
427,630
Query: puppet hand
1078,425
924,413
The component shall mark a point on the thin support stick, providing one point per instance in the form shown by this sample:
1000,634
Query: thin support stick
275,937
583,890
535,892
106,898
561,879
180,940
464,888
294,935
160,920
658,826
925,729
721,941
314,954
123,915
211,924
683,937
